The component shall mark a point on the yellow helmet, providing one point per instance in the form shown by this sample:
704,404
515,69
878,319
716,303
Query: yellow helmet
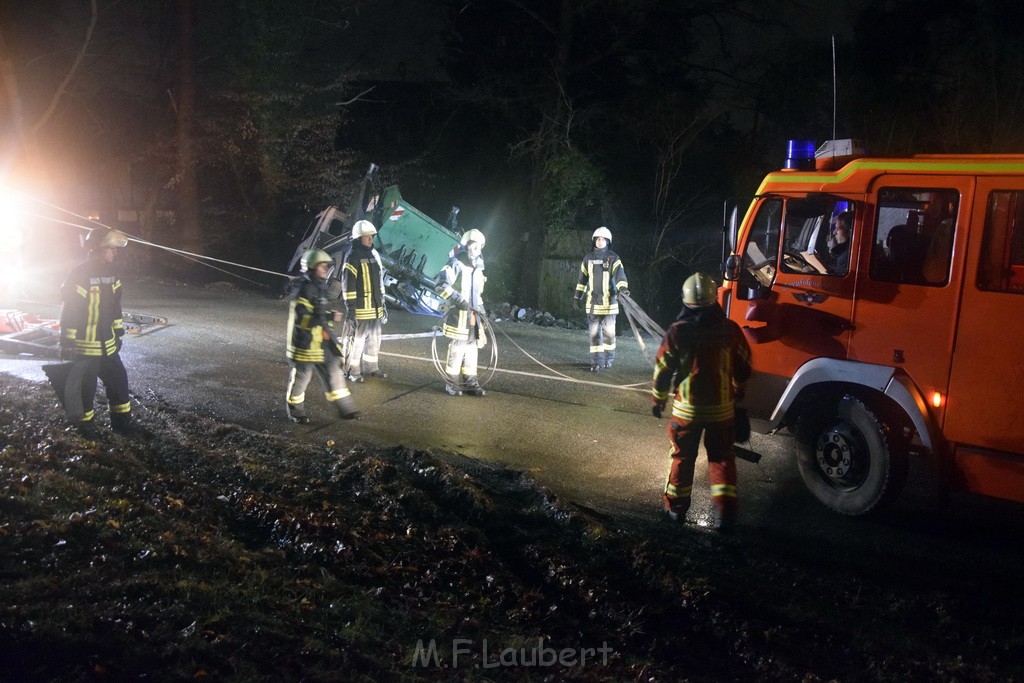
602,232
101,238
362,229
312,258
473,235
699,290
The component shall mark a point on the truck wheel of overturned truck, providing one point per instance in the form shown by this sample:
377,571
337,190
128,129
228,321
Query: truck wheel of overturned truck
849,460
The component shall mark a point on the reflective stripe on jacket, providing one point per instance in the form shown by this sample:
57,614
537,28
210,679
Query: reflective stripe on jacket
601,279
465,278
363,282
91,317
704,359
307,336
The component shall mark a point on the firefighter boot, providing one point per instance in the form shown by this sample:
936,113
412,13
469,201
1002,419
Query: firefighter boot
346,408
723,521
452,386
471,386
88,429
676,508
296,413
123,424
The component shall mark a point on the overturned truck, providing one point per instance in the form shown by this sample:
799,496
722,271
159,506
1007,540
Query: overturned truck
413,247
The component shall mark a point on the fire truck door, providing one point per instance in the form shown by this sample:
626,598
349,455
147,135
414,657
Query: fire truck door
806,312
908,287
986,392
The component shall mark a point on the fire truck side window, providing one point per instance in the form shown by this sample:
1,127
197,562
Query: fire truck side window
1002,251
913,240
810,244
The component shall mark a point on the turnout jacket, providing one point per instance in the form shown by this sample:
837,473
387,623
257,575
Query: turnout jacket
461,284
362,282
704,360
601,279
310,323
91,317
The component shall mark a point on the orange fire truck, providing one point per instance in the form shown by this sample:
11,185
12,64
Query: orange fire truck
884,302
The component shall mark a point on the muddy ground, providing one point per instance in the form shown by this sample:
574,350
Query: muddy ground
212,551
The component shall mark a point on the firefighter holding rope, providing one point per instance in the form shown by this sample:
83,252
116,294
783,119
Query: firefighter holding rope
602,279
461,284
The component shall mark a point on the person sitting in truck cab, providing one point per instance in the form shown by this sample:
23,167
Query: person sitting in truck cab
839,248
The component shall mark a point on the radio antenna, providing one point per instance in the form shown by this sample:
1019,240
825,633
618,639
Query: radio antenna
835,87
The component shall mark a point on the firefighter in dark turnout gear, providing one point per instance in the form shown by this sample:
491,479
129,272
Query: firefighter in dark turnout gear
90,337
461,284
363,293
312,344
702,364
602,279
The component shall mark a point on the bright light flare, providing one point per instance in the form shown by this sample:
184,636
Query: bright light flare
937,399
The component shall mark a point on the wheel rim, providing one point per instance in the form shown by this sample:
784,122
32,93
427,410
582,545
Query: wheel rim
842,456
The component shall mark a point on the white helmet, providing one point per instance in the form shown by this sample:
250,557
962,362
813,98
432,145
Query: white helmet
473,235
603,232
362,229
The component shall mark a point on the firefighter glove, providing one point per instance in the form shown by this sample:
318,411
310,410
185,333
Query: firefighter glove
624,292
460,302
575,303
656,409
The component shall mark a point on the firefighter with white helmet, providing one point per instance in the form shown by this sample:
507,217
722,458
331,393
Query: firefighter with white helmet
602,279
702,365
461,284
362,277
91,330
312,344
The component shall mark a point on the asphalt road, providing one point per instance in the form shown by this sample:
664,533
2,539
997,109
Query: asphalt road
587,437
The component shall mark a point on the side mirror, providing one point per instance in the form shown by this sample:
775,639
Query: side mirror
731,267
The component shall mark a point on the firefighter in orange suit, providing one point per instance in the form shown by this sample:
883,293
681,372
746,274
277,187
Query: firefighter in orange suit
704,361
602,279
312,345
90,337
365,314
461,284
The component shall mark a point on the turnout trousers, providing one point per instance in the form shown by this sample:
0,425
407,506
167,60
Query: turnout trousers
602,339
462,358
718,439
331,378
364,348
110,370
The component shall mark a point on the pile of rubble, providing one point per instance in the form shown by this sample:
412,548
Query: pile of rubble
507,312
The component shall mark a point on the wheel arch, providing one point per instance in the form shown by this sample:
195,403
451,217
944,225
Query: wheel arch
888,389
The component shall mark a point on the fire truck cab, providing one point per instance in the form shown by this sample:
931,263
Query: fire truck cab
884,302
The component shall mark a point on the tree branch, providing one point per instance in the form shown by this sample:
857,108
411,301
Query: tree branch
70,75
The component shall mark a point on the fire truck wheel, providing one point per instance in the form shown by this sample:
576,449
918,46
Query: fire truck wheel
848,459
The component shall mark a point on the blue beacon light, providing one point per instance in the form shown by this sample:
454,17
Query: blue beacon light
800,155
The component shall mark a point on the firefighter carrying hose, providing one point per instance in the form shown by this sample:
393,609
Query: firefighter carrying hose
704,361
363,293
90,338
602,279
312,344
461,284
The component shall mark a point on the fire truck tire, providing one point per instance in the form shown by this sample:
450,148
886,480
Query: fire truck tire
848,459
